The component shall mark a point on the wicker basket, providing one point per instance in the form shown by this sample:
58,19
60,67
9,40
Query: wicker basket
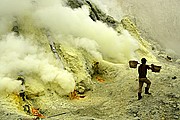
155,68
133,64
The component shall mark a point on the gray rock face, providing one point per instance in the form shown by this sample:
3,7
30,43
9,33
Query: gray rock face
158,20
95,13
75,3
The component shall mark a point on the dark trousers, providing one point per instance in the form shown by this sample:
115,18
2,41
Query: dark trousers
142,81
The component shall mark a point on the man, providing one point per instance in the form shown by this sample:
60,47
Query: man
142,70
96,68
22,91
15,29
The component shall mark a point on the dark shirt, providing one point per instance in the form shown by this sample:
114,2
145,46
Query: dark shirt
142,70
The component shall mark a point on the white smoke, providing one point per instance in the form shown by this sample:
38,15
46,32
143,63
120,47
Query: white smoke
64,20
19,54
9,85
90,45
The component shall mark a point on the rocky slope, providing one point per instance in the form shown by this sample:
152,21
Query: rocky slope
109,95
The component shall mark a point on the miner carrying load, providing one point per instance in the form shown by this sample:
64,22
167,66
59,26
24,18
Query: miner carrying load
142,70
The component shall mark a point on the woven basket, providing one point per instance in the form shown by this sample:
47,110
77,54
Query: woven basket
156,68
133,64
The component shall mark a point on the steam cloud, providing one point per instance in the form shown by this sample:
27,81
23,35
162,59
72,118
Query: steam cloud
19,54
74,26
77,23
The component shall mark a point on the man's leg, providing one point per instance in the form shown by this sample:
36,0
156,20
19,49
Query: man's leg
148,82
140,89
140,86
